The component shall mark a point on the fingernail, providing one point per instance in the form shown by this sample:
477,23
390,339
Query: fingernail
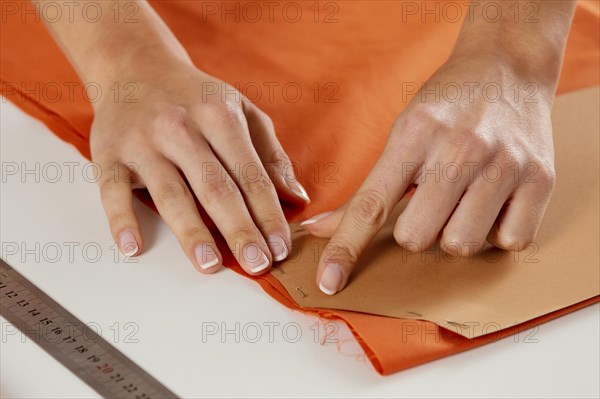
129,245
277,247
331,279
254,258
297,188
316,218
206,256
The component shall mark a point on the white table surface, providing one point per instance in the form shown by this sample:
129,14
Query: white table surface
168,301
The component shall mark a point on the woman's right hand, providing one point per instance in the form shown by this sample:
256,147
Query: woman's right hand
187,136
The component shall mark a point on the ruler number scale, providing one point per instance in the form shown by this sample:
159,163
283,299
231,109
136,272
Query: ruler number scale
72,343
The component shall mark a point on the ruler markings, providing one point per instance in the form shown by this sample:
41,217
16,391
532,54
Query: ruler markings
72,343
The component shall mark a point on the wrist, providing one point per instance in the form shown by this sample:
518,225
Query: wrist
534,60
530,47
125,76
132,60
110,49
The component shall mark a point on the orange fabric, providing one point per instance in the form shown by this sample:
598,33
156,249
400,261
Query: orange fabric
350,75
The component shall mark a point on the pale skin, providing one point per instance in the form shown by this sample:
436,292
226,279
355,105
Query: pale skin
171,135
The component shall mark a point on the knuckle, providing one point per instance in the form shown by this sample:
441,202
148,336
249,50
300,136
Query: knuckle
171,118
263,116
267,121
480,142
106,186
228,112
269,126
172,192
459,244
469,145
119,220
412,235
279,158
278,162
273,223
508,162
451,239
452,248
219,188
341,251
512,242
242,235
192,235
257,185
546,177
411,125
369,208
111,177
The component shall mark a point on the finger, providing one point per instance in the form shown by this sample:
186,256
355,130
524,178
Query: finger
230,141
117,200
519,221
274,158
466,231
432,204
220,197
176,206
324,224
365,214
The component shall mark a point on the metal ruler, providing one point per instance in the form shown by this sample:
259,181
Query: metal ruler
72,343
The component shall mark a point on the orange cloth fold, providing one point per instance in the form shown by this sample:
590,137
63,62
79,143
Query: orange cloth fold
334,79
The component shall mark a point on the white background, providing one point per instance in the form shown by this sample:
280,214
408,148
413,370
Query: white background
169,301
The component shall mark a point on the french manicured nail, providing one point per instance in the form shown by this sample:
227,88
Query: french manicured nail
331,279
316,218
297,188
254,258
129,245
278,248
206,256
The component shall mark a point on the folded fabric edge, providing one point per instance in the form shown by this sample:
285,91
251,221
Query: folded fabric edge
61,128
57,124
273,287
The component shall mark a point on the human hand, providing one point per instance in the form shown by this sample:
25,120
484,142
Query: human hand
483,169
173,134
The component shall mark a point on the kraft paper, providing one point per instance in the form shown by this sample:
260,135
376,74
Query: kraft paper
497,289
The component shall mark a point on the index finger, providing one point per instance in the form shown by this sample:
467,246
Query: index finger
365,214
